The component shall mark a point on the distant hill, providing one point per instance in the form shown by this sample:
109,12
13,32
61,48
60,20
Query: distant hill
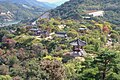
75,9
23,9
32,3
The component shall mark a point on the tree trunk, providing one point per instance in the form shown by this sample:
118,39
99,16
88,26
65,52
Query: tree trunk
103,75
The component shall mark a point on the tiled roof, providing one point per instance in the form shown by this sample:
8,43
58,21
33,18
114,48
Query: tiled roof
63,33
78,42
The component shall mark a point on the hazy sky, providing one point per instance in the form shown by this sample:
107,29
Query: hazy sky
53,1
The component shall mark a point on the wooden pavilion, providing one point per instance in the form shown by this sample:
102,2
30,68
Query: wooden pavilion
78,47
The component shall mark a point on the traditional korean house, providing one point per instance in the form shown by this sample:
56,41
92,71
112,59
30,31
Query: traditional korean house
36,31
61,34
44,34
82,29
78,47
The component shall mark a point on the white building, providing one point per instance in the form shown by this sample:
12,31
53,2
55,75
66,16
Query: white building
96,13
61,26
2,13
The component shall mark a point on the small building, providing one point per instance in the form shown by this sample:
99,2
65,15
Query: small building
2,13
78,47
96,13
44,34
38,32
86,17
35,31
61,26
82,29
61,34
12,31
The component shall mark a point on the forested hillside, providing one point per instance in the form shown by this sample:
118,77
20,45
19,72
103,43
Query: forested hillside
40,53
75,9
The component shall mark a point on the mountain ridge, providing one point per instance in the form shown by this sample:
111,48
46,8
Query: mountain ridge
32,3
73,9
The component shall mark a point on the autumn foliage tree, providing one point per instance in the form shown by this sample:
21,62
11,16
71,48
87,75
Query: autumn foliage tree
106,29
54,68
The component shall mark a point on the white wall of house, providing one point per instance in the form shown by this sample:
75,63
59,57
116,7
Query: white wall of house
61,35
97,13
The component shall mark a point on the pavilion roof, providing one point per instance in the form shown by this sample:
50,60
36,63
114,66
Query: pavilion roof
78,42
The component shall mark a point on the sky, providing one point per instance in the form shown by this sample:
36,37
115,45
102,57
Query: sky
54,1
